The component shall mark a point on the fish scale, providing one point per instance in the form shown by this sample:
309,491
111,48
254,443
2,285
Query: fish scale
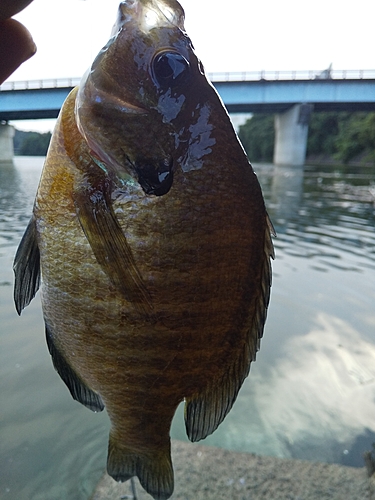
153,245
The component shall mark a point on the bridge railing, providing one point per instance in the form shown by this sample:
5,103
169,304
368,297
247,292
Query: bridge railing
240,76
48,83
329,74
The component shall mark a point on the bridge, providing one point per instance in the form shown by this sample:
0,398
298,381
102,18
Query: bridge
292,95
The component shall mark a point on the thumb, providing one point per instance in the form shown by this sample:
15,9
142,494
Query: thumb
16,46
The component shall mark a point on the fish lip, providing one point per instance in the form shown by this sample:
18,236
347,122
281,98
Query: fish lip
113,102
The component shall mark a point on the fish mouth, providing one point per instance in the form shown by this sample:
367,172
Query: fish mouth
155,177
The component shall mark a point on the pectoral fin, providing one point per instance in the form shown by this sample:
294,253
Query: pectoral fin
98,221
109,244
26,268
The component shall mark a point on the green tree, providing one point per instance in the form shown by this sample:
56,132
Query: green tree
340,135
258,136
19,137
368,135
323,131
356,136
35,144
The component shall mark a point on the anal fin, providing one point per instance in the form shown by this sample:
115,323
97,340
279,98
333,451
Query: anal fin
79,391
154,471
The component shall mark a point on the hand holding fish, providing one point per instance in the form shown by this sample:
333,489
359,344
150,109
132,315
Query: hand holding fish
16,43
152,242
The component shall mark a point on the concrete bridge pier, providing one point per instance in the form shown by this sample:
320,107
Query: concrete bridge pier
6,142
291,128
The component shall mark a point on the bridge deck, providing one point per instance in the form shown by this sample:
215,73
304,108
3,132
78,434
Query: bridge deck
241,92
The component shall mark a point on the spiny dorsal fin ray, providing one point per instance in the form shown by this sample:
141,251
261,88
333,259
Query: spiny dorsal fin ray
204,412
26,268
155,472
79,391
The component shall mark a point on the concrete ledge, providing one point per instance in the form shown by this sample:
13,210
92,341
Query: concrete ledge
207,473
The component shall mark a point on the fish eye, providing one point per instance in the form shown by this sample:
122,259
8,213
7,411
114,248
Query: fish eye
170,69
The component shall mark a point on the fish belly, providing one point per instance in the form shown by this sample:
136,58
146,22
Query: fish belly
199,251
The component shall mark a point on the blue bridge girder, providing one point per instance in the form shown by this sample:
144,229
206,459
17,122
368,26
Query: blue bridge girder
278,96
271,92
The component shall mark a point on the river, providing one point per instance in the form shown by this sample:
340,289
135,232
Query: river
311,392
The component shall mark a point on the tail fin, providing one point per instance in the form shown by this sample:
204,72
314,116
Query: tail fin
154,471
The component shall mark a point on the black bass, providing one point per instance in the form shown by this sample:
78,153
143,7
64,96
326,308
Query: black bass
151,239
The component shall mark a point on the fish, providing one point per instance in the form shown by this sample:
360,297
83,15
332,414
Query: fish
151,244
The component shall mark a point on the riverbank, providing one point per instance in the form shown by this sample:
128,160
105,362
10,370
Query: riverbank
207,473
361,160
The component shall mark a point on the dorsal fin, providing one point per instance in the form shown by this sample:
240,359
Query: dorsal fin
205,411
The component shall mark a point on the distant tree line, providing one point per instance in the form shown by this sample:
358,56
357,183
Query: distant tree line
341,136
31,143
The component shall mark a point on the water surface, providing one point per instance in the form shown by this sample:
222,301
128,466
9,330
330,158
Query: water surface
311,392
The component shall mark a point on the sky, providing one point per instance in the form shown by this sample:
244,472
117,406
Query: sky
230,35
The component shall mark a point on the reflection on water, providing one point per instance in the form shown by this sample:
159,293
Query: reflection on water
311,392
50,449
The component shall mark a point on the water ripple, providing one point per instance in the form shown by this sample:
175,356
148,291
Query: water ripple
323,216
